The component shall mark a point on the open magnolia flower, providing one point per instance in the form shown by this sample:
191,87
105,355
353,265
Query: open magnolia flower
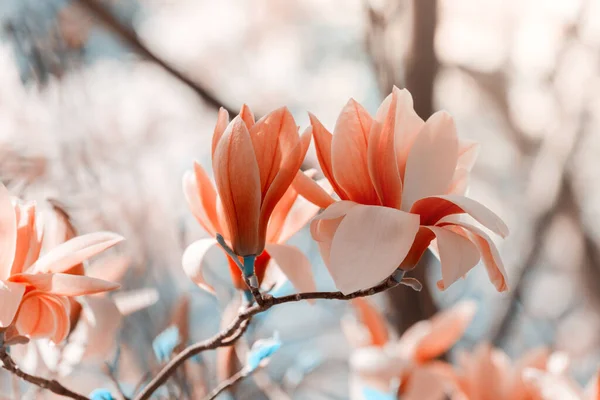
402,183
379,360
254,207
35,291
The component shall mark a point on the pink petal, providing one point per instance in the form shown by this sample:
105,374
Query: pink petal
192,262
8,233
349,153
294,264
467,154
431,161
457,255
489,252
434,208
65,284
311,190
74,251
447,328
10,299
319,225
369,245
460,182
408,126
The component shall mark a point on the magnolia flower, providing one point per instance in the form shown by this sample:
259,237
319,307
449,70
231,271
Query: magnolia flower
254,207
34,290
401,182
379,360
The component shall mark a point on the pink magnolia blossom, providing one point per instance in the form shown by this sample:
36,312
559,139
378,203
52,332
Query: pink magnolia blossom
35,291
254,207
401,182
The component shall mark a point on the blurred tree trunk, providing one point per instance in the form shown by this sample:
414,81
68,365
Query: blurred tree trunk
408,305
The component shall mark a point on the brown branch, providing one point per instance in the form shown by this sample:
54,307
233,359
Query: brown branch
238,326
51,385
130,37
228,383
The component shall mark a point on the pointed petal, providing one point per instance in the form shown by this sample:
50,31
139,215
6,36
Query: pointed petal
457,255
299,216
489,252
323,139
74,251
431,161
294,264
65,284
238,182
10,298
221,125
192,262
432,209
447,328
349,153
201,198
247,116
369,245
8,233
26,235
311,190
382,160
408,126
373,320
280,213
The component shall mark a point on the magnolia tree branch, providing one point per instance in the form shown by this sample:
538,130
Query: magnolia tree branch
51,385
238,326
228,383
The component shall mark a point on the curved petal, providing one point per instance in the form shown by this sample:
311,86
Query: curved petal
65,284
369,245
382,160
74,251
43,315
294,264
238,182
26,235
280,213
489,253
319,229
221,125
247,116
11,295
408,126
311,190
201,198
431,161
373,320
8,233
192,261
447,328
457,255
349,153
432,209
323,139
421,243
300,215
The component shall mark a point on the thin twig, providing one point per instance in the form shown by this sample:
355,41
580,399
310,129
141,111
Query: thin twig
130,37
51,385
227,383
237,327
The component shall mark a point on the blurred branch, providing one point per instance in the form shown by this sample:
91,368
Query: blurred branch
51,385
239,325
228,383
130,37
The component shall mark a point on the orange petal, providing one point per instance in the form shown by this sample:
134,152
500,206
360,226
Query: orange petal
408,126
74,251
8,233
294,264
457,255
238,182
247,116
201,198
432,209
489,253
431,161
447,327
280,213
419,246
26,235
43,315
284,178
349,153
382,160
373,320
222,122
369,245
10,298
299,216
65,284
192,262
323,139
311,190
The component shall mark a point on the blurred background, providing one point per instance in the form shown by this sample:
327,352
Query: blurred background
104,105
